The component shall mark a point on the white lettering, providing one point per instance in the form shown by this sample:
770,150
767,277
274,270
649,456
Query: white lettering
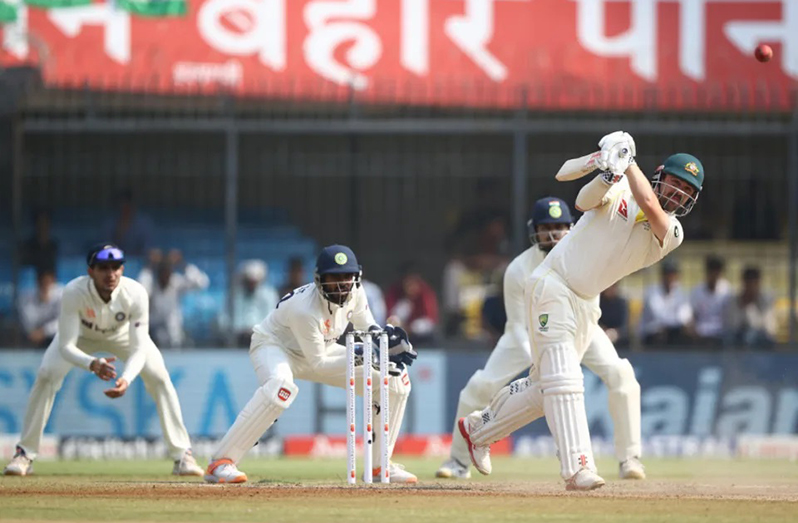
246,27
230,73
665,411
326,35
115,22
749,412
638,42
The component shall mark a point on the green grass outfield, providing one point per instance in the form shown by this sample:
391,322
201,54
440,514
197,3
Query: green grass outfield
302,490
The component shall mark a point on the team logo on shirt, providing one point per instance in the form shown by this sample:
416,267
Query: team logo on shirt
543,319
90,313
326,327
120,316
676,231
623,209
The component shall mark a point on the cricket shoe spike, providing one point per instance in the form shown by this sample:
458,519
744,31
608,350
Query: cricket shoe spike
632,469
224,471
396,473
480,455
20,464
453,469
187,466
585,479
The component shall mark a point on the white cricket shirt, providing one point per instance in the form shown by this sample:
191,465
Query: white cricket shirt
610,242
123,322
307,325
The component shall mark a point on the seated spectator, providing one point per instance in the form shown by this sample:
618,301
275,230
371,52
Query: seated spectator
39,309
376,301
466,284
130,229
252,303
615,316
167,280
666,313
296,276
412,303
750,316
708,301
40,250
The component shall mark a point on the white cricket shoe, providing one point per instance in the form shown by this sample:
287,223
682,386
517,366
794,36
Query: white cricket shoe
20,464
480,455
397,474
224,471
187,466
632,469
585,479
453,469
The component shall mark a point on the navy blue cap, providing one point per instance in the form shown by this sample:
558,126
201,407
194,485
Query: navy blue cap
337,259
105,253
549,210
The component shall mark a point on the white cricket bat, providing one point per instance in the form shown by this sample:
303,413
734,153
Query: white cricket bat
578,167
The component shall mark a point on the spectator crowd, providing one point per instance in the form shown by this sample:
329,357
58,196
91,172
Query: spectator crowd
710,315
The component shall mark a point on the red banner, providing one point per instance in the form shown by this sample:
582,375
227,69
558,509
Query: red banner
545,53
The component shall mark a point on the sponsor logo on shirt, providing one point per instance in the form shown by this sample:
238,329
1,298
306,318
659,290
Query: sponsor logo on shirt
90,313
623,209
326,328
283,394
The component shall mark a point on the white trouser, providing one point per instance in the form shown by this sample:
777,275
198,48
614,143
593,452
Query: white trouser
277,369
561,325
510,358
156,380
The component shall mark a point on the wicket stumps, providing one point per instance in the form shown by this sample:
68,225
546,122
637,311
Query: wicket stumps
368,403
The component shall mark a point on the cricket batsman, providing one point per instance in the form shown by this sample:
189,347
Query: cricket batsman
104,312
298,340
629,223
551,220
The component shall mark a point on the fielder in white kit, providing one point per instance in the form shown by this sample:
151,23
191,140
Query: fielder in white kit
104,312
629,223
298,340
551,220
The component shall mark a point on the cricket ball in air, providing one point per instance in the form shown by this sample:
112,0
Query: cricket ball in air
763,53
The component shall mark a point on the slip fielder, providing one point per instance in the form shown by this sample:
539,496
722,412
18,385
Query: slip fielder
628,224
104,312
551,220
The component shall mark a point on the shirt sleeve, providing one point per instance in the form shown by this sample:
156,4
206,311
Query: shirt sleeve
362,318
311,342
139,336
673,238
69,330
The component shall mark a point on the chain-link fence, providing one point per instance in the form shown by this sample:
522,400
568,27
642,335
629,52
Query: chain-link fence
226,180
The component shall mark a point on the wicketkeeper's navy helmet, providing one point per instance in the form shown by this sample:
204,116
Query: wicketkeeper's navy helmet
547,210
337,259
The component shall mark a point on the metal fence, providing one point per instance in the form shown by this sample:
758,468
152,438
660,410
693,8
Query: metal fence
395,182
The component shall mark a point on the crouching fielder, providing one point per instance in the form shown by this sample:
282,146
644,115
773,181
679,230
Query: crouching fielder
550,222
104,312
627,225
298,341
